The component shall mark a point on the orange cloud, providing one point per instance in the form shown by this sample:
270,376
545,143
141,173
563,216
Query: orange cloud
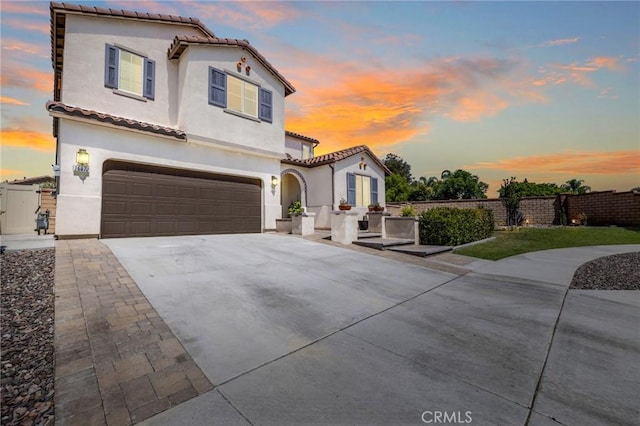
473,108
19,138
608,62
23,47
24,8
579,73
14,75
350,103
253,15
41,27
12,101
578,162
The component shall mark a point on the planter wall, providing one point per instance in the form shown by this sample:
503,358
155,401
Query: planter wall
400,227
344,226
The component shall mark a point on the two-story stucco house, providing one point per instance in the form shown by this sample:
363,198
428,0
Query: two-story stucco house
162,128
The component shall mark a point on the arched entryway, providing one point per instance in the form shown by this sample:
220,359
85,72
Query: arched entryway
294,188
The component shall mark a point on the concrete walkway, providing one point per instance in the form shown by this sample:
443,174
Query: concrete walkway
31,241
291,331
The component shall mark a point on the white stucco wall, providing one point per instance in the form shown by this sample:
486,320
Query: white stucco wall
181,85
79,204
84,61
197,117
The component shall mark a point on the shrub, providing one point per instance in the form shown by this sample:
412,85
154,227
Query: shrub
452,227
295,208
408,211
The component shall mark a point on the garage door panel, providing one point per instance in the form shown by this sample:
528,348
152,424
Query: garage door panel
141,208
149,200
139,227
142,189
163,190
187,209
165,227
115,227
165,209
115,187
115,207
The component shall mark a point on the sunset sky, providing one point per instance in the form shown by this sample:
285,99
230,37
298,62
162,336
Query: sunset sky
547,91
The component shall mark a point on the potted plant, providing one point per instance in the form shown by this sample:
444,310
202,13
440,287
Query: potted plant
295,208
372,207
344,205
377,207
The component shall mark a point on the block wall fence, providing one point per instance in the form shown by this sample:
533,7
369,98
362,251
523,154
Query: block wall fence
601,208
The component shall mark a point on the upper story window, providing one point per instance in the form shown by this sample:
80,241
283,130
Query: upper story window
307,151
129,72
242,96
235,94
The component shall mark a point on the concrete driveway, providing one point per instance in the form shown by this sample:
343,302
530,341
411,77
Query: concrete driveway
292,331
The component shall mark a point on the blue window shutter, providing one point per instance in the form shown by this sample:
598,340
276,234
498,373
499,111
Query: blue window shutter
351,189
266,105
148,91
111,57
217,88
374,190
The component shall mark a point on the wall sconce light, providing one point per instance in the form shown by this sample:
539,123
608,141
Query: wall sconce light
82,157
81,168
274,181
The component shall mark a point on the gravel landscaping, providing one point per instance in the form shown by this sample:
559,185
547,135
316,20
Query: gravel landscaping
616,272
27,318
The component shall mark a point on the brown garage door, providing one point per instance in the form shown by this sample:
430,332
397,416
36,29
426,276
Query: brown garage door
143,201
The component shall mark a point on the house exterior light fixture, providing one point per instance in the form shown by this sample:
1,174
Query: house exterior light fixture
81,168
82,157
274,181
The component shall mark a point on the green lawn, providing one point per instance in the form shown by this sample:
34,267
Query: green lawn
509,243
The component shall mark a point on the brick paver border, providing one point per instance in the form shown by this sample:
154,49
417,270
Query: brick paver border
117,362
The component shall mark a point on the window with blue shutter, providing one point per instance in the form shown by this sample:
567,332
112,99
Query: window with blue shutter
148,90
266,108
125,70
374,190
111,66
351,189
217,87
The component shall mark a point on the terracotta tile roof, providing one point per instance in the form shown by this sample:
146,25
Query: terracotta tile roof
303,137
181,42
59,107
33,180
336,156
60,10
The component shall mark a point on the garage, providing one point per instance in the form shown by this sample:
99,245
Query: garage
143,201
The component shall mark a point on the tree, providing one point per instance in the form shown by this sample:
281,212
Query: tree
459,185
510,197
575,186
396,188
398,166
420,191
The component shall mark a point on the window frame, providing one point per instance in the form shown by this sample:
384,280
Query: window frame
355,193
219,95
112,73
